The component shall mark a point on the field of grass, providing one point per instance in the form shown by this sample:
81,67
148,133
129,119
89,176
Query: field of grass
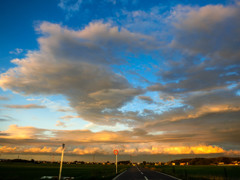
31,171
197,172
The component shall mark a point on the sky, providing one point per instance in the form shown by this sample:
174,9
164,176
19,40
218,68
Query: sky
157,80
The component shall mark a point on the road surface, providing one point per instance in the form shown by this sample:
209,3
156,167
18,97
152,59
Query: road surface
137,173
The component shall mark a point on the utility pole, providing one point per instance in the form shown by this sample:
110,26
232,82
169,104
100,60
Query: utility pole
93,158
60,172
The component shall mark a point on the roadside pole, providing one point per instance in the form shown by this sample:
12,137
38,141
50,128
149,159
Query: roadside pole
116,163
60,171
116,153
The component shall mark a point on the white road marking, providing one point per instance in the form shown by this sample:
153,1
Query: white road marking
119,175
145,177
141,172
168,175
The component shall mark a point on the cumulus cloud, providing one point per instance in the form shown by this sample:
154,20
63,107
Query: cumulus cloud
75,65
38,150
142,149
178,133
138,141
16,132
26,106
88,150
5,149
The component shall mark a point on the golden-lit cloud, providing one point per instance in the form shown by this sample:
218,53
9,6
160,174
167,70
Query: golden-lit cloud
26,106
38,150
58,150
137,149
5,149
207,109
85,151
17,132
201,149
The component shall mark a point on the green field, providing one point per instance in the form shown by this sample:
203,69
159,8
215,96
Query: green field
203,172
31,171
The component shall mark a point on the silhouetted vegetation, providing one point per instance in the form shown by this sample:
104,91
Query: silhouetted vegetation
206,161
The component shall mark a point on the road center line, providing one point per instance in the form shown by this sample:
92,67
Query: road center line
145,177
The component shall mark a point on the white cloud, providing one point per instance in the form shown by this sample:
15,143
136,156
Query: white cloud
16,51
70,5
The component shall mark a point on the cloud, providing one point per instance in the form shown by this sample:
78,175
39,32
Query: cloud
203,29
64,110
200,149
16,51
208,41
68,117
61,124
16,132
137,141
38,150
201,74
75,64
146,98
26,106
93,150
142,149
5,149
198,74
4,98
6,118
70,6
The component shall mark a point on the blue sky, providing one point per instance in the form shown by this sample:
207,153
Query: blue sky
160,71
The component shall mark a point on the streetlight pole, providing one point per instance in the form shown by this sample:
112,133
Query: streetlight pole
116,163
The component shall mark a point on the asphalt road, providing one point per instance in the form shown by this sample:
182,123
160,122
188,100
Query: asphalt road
137,173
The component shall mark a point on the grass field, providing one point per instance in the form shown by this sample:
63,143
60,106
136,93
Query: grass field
197,172
31,171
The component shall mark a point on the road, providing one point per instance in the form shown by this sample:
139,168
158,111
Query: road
137,173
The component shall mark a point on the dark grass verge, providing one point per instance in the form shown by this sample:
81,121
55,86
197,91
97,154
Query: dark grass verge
200,172
31,171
